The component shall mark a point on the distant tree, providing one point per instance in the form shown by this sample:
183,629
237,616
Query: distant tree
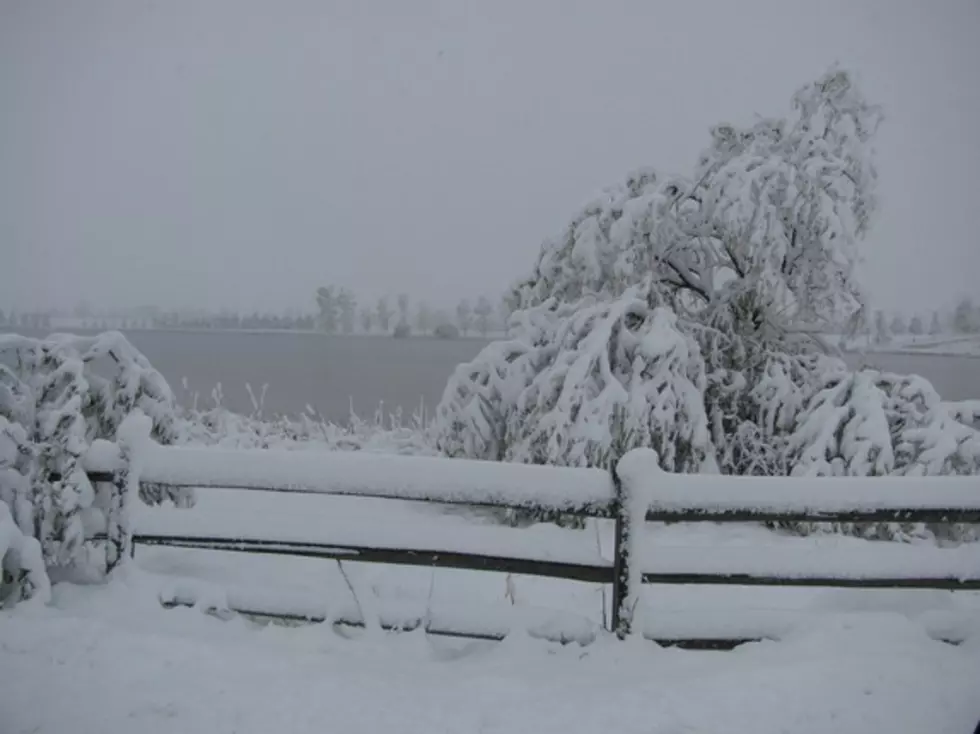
916,327
935,327
965,320
464,316
446,330
882,333
423,318
898,324
403,308
3,318
347,306
384,314
441,317
326,302
483,311
367,319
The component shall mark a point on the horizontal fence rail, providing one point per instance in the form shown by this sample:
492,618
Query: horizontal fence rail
428,558
637,492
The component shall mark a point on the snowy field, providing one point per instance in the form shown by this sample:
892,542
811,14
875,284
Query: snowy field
847,661
333,373
120,664
843,660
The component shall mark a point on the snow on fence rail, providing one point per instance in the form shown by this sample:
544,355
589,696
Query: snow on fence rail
638,490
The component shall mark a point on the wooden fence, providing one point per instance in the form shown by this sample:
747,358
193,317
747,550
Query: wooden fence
638,491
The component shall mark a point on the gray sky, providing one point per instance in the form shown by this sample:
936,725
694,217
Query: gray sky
241,153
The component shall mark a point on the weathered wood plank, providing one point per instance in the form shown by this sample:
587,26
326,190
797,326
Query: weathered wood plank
394,556
925,515
715,579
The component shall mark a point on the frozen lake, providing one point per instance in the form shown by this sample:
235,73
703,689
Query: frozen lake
331,372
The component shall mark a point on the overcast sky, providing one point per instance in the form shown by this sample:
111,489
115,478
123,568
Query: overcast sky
241,153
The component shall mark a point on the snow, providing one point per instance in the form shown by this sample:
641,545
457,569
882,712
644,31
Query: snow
348,521
704,493
19,552
109,662
635,497
493,620
356,473
102,457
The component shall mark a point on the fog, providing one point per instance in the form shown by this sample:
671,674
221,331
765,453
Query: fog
239,154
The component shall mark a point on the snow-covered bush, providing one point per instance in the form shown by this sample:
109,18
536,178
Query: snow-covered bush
872,423
57,396
383,433
579,385
21,564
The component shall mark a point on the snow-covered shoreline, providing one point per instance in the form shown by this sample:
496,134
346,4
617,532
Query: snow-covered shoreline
958,346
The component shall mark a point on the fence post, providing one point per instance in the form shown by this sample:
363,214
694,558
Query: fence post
621,613
631,480
133,434
117,536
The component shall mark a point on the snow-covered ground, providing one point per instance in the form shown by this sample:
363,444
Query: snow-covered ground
109,660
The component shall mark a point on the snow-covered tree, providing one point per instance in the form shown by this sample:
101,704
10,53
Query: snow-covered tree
935,326
898,325
883,334
916,327
384,314
403,308
483,311
464,316
347,309
755,253
423,318
367,319
326,301
57,396
966,320
684,314
772,215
